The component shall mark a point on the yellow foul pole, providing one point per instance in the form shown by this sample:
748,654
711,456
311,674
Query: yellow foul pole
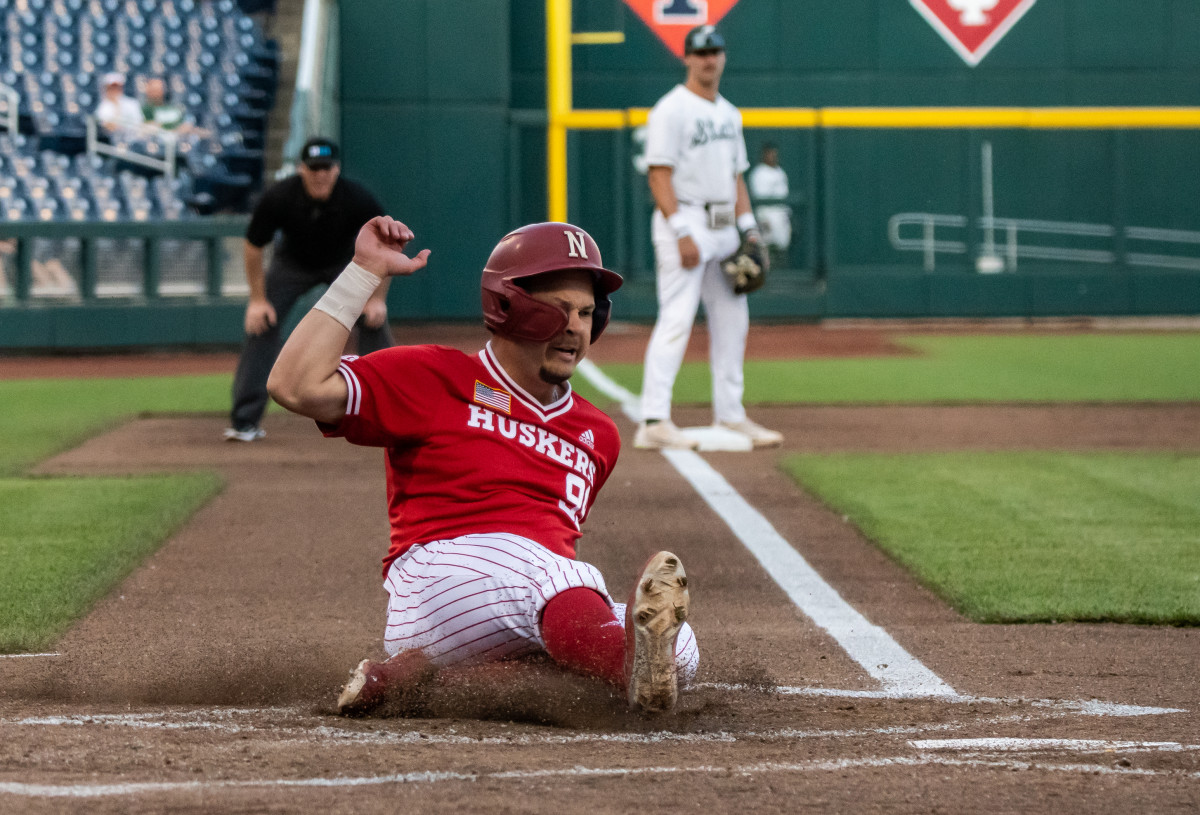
558,104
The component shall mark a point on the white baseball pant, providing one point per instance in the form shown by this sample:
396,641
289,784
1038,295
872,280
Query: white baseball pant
680,292
479,598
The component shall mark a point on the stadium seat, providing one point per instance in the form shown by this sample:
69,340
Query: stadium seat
216,61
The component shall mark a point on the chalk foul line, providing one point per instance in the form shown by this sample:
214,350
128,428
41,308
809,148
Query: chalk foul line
431,777
900,674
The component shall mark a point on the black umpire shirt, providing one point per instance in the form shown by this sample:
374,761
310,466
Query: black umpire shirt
317,236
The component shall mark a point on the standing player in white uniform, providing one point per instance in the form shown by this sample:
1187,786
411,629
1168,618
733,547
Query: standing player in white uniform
769,182
696,157
492,466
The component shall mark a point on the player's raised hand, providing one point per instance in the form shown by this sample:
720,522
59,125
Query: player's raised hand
379,248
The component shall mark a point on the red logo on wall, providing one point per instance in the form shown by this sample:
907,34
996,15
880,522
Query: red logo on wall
671,20
972,27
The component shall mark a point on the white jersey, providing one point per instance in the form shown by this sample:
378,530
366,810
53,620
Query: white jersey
125,113
766,181
774,220
701,141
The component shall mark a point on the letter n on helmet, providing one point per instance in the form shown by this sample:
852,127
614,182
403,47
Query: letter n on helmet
533,250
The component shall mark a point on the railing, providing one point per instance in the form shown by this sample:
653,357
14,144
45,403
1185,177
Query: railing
165,165
1010,247
315,110
218,259
10,117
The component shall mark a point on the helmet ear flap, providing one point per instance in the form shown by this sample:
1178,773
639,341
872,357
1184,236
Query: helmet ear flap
600,316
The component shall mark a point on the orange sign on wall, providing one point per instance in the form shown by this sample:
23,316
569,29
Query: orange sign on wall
671,20
972,27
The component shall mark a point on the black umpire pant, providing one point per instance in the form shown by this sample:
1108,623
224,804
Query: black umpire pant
286,282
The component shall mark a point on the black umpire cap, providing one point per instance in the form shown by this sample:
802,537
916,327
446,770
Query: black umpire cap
319,153
703,38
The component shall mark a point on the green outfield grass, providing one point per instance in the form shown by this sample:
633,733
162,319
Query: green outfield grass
1016,368
66,542
1031,537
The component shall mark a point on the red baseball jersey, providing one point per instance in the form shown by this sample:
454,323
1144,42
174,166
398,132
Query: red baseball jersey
470,451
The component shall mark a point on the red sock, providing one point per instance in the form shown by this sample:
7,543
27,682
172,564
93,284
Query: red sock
582,635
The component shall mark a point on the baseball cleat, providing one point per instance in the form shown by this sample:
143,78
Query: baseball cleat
373,684
657,609
759,435
662,434
249,434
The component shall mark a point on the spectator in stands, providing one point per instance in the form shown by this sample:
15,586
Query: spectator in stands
159,113
116,111
317,215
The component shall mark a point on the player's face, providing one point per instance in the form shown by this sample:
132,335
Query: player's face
318,181
706,66
572,291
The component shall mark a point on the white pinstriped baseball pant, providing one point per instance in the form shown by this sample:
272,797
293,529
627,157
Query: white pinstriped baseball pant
479,598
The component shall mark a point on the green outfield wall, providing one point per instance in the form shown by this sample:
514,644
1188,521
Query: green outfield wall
441,103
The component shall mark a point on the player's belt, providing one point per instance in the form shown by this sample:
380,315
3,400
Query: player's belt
719,213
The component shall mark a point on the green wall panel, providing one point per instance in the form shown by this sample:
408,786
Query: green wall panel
444,173
975,295
877,294
827,35
1118,34
1080,293
468,50
1166,292
1183,33
31,327
384,53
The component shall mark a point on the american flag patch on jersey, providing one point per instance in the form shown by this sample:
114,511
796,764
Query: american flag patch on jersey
493,397
588,438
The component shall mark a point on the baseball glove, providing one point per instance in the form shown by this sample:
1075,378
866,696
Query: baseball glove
746,269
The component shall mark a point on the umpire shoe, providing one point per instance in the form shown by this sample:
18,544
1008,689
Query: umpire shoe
656,611
759,435
662,434
248,434
374,684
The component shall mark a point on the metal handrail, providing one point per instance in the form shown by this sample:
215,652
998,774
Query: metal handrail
212,230
930,245
11,117
166,164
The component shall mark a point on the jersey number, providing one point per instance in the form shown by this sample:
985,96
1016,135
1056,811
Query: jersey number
575,503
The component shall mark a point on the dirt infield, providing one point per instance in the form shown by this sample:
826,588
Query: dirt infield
206,681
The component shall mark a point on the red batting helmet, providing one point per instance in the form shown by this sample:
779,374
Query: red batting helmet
534,250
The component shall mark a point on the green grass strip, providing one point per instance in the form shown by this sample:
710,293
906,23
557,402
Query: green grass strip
46,416
973,368
1031,537
66,542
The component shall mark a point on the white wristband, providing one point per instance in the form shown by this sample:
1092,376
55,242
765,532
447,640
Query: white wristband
746,221
347,296
679,223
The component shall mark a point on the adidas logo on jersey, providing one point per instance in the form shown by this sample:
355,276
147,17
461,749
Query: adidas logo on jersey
587,438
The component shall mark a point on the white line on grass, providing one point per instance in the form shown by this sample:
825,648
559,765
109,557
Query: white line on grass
432,777
26,656
900,674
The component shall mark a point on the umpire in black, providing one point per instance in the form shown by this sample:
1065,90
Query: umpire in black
313,217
